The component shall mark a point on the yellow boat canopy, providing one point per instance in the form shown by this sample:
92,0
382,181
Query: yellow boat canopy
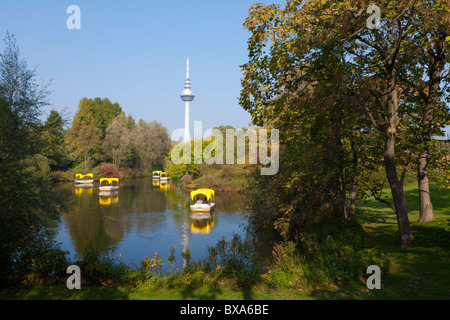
157,172
209,193
81,176
109,180
163,173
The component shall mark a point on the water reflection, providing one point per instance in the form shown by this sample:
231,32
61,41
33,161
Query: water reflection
201,223
81,189
148,217
108,198
164,186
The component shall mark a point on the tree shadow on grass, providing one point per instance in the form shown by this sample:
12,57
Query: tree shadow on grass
348,291
199,292
375,212
217,290
213,292
432,235
63,293
247,293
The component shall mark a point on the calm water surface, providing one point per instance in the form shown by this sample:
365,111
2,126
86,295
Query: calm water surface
144,217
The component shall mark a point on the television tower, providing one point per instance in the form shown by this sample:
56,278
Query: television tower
187,96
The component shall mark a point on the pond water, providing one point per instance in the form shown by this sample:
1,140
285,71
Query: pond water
144,217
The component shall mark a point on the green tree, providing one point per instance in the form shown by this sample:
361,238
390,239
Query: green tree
425,80
52,139
376,53
84,143
130,157
304,88
99,111
297,51
28,200
118,143
151,142
85,136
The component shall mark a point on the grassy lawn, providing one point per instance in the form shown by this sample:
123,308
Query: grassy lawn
149,292
421,270
417,272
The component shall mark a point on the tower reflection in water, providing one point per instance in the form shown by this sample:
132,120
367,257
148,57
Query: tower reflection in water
108,198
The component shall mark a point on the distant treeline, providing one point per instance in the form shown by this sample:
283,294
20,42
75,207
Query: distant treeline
101,133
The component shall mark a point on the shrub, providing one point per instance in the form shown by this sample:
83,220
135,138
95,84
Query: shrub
61,176
41,260
109,171
101,269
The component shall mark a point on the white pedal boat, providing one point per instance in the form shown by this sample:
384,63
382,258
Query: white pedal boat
202,200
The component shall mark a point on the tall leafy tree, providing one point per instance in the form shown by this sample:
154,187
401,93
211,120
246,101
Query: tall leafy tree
98,111
152,142
376,53
426,80
84,143
290,60
304,88
104,112
85,136
52,139
27,199
118,140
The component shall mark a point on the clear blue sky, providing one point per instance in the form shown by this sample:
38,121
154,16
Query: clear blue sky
134,53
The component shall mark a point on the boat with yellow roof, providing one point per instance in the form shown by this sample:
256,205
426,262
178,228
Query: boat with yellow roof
84,178
109,184
203,200
164,178
156,174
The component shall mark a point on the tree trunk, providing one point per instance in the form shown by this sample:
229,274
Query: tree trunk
398,195
351,210
425,205
437,64
343,192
